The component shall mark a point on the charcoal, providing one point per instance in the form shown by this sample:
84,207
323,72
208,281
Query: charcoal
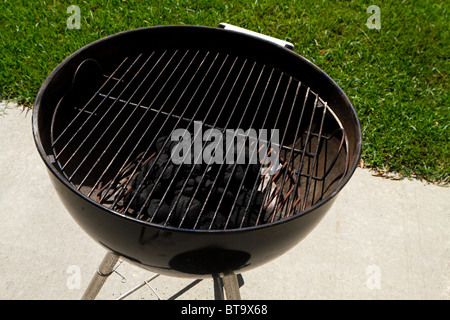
140,177
207,183
166,175
189,186
240,209
218,222
192,213
140,199
268,215
168,145
160,142
157,216
236,175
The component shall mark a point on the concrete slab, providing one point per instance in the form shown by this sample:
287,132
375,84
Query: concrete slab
382,239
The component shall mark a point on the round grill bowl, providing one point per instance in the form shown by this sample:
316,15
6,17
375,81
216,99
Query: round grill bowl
179,251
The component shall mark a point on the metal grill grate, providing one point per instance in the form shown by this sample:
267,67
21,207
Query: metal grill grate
115,125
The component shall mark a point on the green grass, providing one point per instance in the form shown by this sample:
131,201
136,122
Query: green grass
396,77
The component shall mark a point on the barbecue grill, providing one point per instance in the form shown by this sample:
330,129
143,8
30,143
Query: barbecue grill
104,122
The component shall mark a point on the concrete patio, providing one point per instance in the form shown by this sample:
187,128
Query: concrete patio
382,239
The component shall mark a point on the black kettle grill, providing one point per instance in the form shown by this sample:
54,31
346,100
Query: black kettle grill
102,123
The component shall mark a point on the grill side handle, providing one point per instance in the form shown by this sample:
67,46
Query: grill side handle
279,42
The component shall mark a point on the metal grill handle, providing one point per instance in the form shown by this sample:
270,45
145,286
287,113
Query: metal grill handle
256,34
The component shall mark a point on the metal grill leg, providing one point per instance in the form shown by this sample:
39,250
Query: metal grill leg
218,287
104,270
231,286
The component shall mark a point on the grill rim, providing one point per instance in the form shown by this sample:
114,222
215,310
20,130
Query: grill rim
47,159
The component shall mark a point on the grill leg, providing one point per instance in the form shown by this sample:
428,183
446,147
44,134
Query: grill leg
231,286
218,287
105,268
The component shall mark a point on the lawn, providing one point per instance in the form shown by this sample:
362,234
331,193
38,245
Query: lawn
396,76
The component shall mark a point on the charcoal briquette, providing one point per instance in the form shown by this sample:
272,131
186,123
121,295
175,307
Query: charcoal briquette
190,213
158,215
218,221
220,182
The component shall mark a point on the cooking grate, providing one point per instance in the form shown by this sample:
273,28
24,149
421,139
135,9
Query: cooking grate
111,138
